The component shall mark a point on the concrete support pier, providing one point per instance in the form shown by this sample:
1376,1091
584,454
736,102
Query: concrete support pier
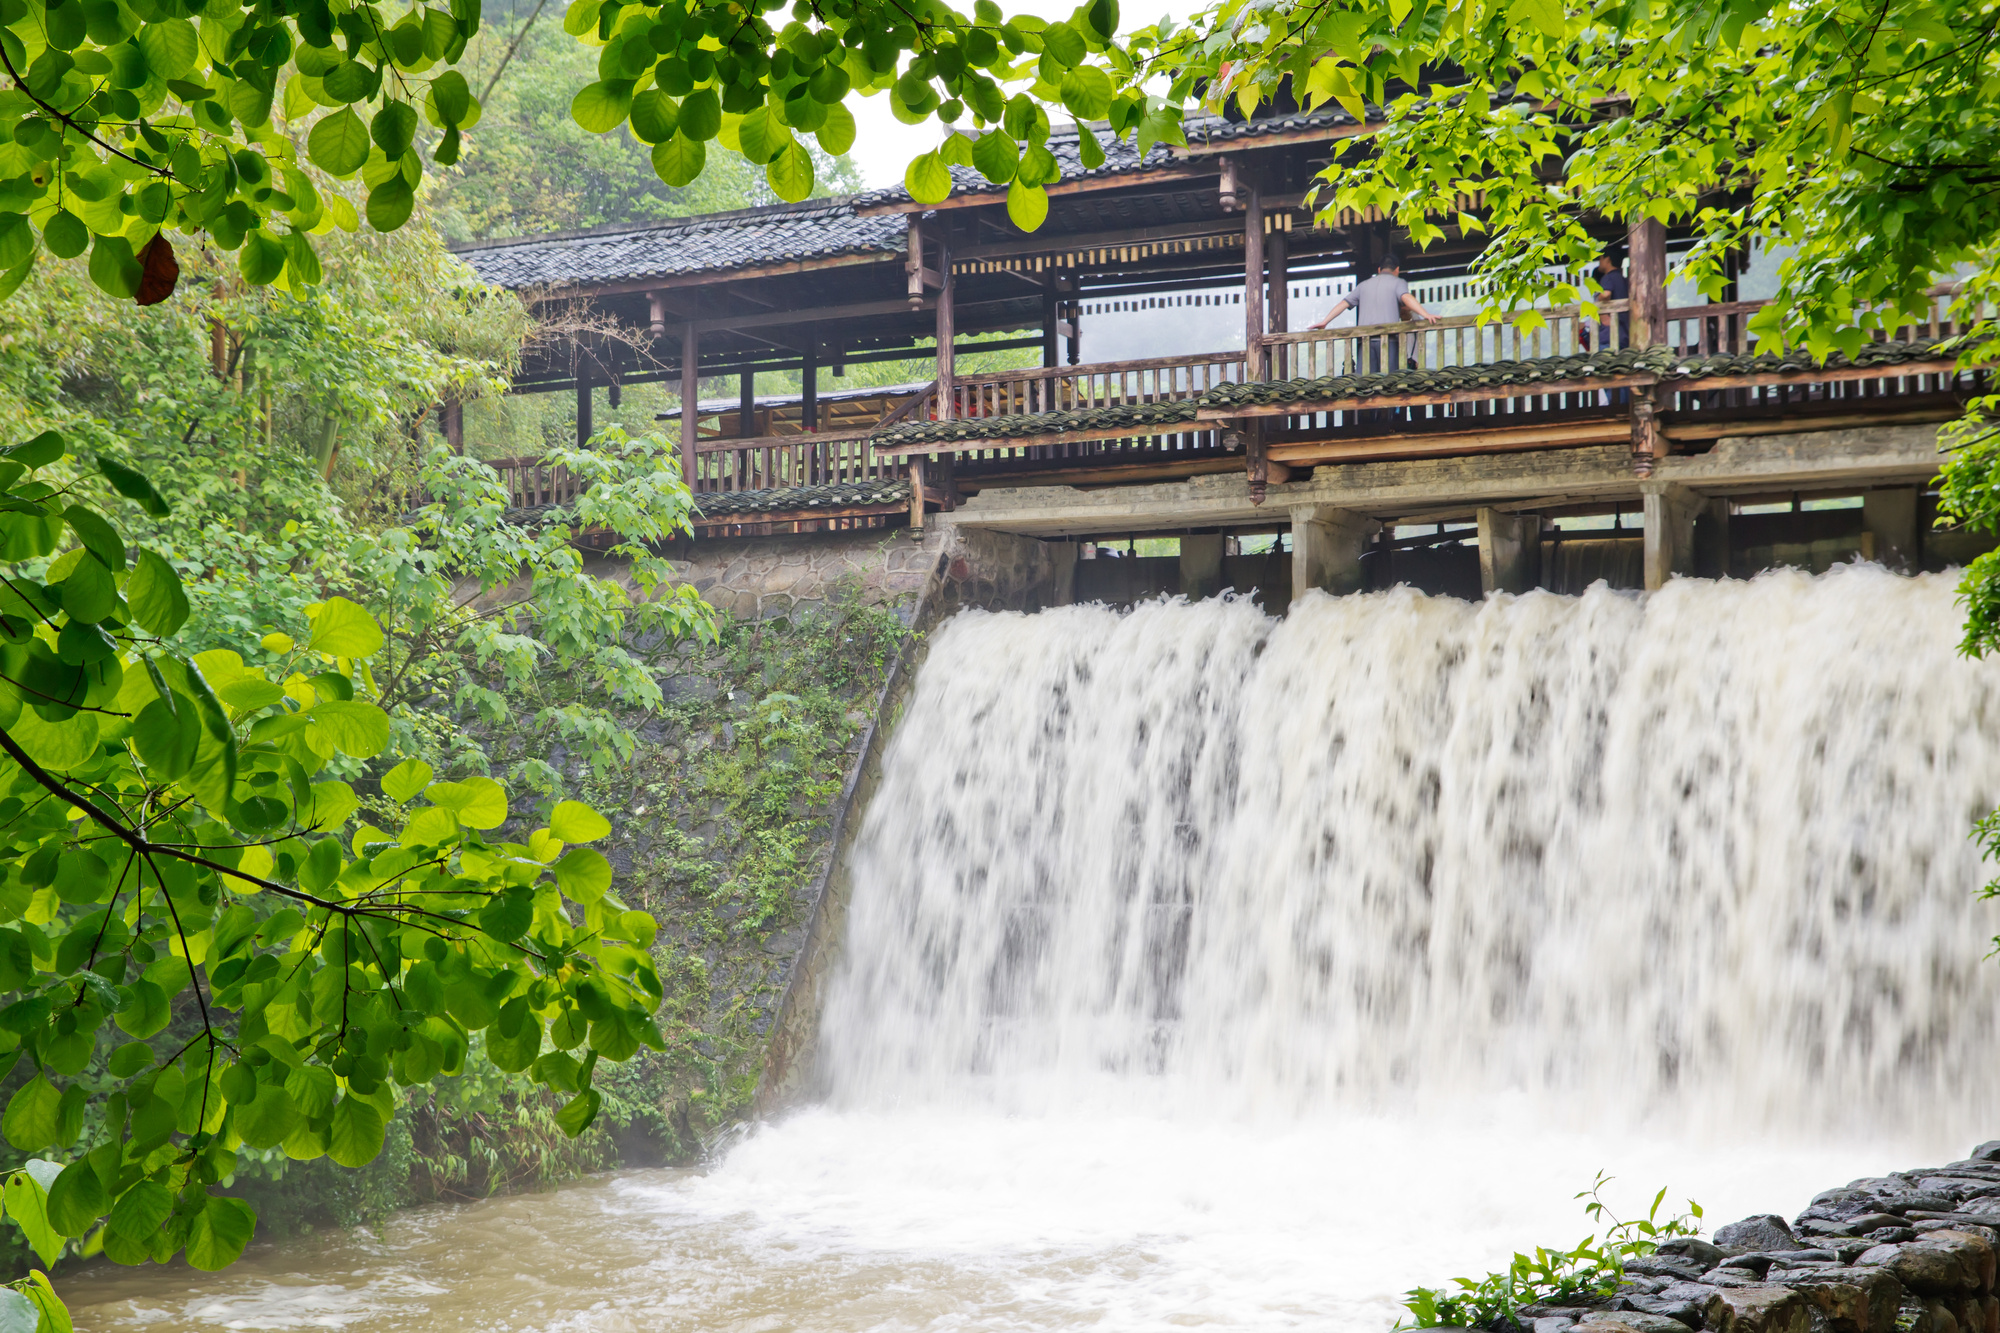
1327,543
1889,517
1201,566
1510,550
1670,513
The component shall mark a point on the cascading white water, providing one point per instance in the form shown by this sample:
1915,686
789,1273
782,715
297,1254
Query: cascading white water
1205,970
1699,858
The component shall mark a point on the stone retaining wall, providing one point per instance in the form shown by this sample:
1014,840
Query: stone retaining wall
1909,1253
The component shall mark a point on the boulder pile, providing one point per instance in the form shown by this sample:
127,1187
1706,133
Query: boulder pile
1913,1252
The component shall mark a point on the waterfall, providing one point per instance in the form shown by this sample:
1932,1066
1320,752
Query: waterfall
1698,858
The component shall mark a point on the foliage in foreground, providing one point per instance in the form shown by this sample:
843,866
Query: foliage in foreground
1589,1271
180,868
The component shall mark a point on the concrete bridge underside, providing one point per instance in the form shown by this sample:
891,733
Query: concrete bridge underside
1336,512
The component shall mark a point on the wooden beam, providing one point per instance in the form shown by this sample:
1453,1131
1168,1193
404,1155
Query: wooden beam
711,277
791,515
1211,148
806,315
1035,441
1042,243
1083,185
1694,426
1415,445
1108,475
583,407
724,444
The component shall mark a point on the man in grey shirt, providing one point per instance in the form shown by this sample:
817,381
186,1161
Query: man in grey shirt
1382,299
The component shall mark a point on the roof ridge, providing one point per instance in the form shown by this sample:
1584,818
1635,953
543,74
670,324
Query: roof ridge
803,208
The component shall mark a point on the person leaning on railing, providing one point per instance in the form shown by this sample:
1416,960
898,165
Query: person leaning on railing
1382,299
1612,285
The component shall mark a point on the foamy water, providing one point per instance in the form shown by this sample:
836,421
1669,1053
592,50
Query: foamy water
1210,971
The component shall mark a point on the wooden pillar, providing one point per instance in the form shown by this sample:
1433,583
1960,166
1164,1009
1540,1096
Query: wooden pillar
1670,511
1253,283
746,405
1074,308
1201,566
946,332
656,309
690,406
453,416
809,387
913,259
916,475
1049,314
583,404
1326,549
1648,242
1278,318
1649,443
1510,550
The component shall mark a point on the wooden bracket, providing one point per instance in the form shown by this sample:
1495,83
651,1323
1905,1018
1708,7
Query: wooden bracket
1648,441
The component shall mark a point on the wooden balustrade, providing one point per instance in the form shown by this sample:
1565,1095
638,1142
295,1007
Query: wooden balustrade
534,481
1458,340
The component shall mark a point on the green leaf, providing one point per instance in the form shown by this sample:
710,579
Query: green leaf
390,204
679,160
153,591
44,449
167,741
261,259
584,876
655,116
355,728
131,1059
77,1199
602,107
65,235
219,1232
394,128
996,156
836,135
478,802
341,628
1103,17
573,821
701,115
791,173
269,1120
451,98
1088,150
338,144
580,1112
1027,205
1065,43
355,1138
1086,91
249,103
312,1089
405,780
928,179
18,1314
300,256
98,537
140,1210
146,1012
130,485
507,917
88,593
170,47
27,1198
113,267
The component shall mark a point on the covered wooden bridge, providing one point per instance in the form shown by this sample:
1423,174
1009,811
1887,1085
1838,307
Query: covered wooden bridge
1218,229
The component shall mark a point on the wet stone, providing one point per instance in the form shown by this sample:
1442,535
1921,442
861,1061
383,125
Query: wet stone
1698,1252
1766,1231
1628,1321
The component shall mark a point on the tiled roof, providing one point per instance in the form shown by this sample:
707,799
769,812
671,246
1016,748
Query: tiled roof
784,499
722,506
1668,366
1140,416
1122,155
816,229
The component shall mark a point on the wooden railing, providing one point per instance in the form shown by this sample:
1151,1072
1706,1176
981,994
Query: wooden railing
532,481
771,461
1458,340
1105,384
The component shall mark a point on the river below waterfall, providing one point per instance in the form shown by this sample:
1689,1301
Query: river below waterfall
1210,971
